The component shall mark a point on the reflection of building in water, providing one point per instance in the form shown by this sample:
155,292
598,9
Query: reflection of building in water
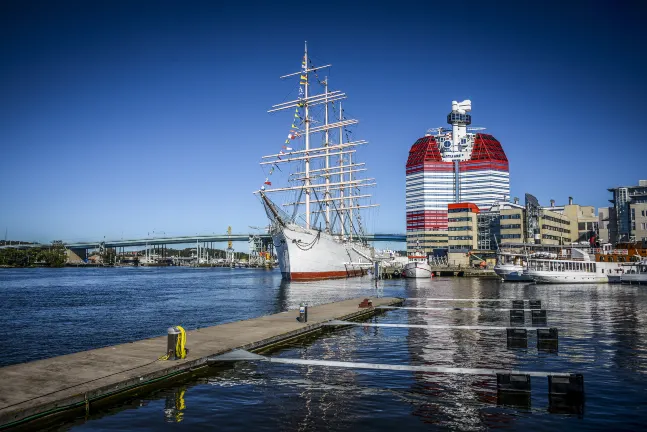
174,406
456,401
329,395
629,328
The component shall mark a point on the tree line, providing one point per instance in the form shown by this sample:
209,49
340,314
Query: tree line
53,256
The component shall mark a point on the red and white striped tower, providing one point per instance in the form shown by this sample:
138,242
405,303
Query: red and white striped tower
449,166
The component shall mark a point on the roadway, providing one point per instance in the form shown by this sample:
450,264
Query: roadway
214,238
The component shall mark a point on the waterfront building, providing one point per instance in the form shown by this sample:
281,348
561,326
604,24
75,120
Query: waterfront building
605,224
461,164
462,227
554,225
627,219
584,221
489,228
512,223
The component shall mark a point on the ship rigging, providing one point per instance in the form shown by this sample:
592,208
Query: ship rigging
327,184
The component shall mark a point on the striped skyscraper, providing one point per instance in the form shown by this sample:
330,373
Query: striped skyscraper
450,166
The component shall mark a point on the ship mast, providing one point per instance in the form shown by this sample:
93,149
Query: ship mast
350,194
348,201
327,194
307,122
341,176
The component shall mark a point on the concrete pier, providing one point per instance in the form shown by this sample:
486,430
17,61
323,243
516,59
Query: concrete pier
59,385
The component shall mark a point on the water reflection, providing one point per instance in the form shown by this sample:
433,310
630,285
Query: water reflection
175,406
459,398
602,335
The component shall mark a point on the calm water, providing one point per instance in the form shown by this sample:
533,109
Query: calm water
602,335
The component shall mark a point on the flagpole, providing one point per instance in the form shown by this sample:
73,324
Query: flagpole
307,121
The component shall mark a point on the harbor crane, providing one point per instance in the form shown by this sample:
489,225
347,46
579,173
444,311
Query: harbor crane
230,247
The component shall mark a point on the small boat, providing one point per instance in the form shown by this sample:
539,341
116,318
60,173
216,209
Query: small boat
510,266
636,273
417,267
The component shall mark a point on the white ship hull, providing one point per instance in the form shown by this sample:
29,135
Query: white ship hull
417,270
601,273
566,277
307,254
640,278
511,272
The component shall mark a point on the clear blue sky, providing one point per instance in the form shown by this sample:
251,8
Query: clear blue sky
118,118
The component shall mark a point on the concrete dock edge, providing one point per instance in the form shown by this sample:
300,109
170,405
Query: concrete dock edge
43,389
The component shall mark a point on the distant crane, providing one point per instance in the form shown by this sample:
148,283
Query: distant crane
259,249
230,247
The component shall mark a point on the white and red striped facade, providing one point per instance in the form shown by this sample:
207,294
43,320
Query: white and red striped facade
450,166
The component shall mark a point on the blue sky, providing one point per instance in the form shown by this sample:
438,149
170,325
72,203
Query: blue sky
123,117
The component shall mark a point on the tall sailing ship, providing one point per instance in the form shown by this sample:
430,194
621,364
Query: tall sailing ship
318,231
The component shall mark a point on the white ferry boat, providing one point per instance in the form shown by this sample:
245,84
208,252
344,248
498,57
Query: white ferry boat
621,256
576,268
417,267
635,273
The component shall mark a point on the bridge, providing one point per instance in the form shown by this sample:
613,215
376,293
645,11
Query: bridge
213,238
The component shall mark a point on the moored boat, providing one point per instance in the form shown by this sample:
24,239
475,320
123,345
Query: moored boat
417,267
510,267
578,267
635,273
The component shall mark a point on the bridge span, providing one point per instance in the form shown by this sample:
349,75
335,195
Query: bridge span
213,238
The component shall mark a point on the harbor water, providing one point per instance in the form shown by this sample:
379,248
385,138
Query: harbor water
602,335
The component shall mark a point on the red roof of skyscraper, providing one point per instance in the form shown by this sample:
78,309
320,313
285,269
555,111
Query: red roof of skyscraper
423,150
486,147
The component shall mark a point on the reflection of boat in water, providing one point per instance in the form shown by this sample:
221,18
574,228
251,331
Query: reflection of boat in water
417,267
510,266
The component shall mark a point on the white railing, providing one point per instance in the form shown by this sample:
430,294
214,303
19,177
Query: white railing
599,251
